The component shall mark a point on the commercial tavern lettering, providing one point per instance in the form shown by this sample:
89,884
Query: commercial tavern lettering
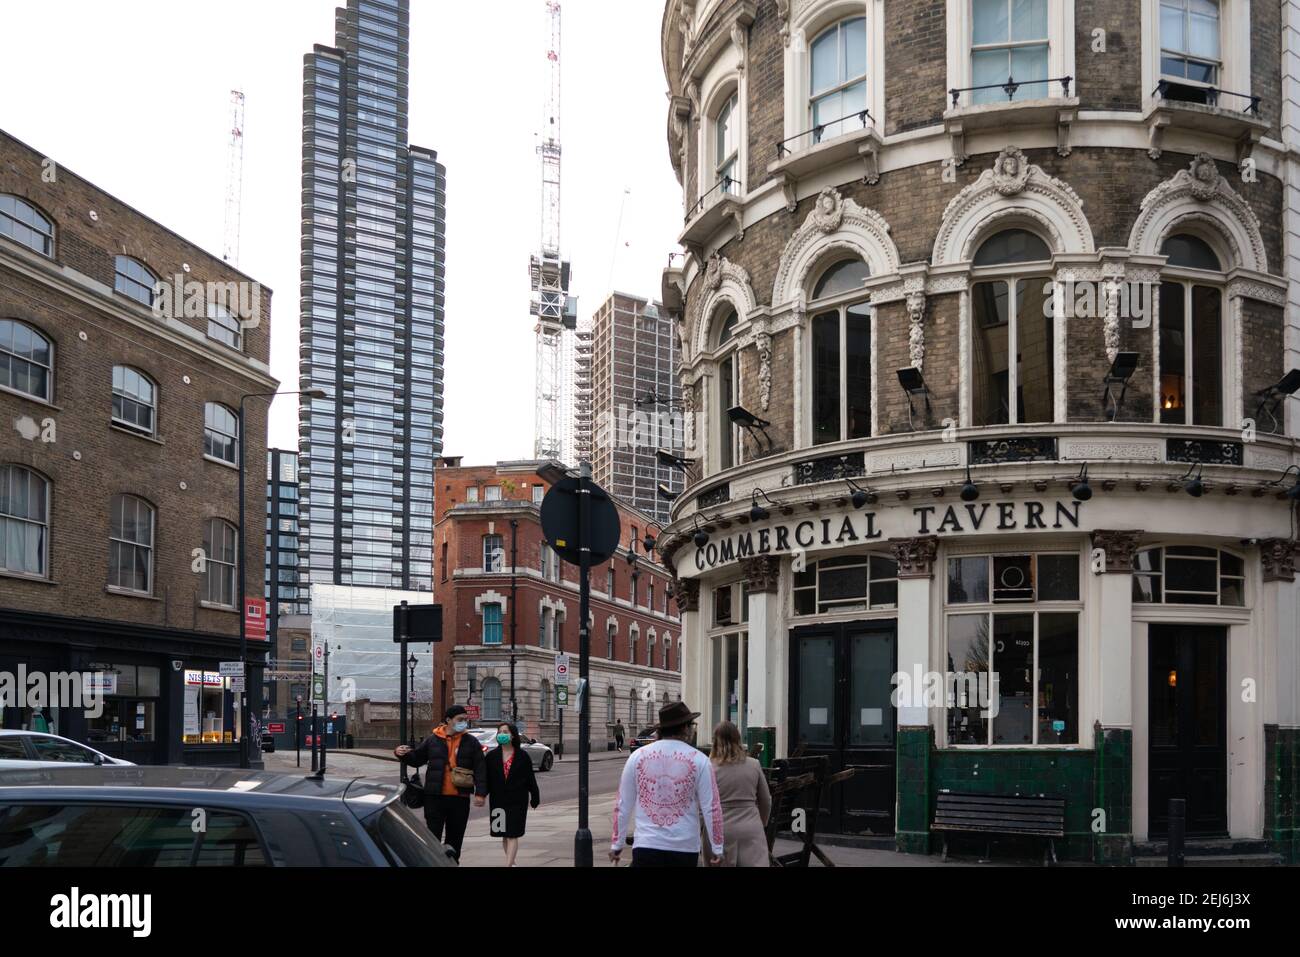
861,527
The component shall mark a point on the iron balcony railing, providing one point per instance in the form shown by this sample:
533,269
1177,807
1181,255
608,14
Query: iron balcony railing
783,150
723,184
1010,87
1207,95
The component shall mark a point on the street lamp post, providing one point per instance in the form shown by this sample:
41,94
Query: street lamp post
514,614
245,760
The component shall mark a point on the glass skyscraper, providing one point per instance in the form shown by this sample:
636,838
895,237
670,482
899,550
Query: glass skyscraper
373,248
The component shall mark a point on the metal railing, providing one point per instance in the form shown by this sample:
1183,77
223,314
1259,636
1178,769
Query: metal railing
1010,87
863,115
1212,94
723,184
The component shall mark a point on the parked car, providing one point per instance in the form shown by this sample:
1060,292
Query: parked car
32,749
144,817
543,757
641,739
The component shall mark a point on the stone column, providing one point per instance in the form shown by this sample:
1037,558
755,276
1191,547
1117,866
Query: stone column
691,648
1279,696
1112,554
765,663
915,735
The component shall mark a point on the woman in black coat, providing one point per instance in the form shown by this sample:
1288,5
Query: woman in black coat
512,787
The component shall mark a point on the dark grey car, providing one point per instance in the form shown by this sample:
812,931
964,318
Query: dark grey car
184,817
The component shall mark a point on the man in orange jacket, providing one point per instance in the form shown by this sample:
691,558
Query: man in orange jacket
446,799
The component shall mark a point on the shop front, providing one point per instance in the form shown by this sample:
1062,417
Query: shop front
1116,650
144,695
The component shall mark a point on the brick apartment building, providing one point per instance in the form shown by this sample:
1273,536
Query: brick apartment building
118,452
635,647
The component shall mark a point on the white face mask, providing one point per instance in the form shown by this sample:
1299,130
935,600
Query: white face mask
460,726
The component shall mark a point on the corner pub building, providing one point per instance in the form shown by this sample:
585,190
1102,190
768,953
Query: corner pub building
1096,539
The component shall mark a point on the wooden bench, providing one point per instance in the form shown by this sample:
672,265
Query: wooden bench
1011,814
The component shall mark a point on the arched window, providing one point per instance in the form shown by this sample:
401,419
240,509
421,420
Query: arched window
1191,334
24,521
1012,317
728,388
838,80
1189,41
222,326
1009,39
134,401
220,433
26,360
726,146
130,544
23,223
1189,575
492,699
221,546
609,704
547,702
135,280
841,358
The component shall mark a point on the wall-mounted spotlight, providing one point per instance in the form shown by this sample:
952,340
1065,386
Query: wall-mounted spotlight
1270,399
1081,490
1121,371
673,461
913,384
1192,484
701,536
969,491
648,543
1293,493
860,496
748,421
758,513
666,493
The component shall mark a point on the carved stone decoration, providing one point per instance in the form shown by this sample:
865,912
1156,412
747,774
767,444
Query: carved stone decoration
1204,177
916,329
763,342
1110,328
687,25
1277,555
1119,547
720,280
789,186
739,39
783,11
763,573
1010,171
687,593
915,556
828,214
713,273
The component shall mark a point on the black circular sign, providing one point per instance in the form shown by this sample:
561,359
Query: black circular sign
560,522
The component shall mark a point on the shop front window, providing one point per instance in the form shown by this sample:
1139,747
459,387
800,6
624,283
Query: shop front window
211,711
131,696
1012,677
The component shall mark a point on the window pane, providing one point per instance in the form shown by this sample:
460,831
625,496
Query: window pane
968,658
871,721
826,378
825,61
1013,658
1190,574
1029,64
1192,251
1203,36
827,112
1035,369
989,21
1058,679
1207,357
840,584
1013,578
1058,577
1029,19
816,691
1146,588
990,378
989,67
727,400
968,579
1173,359
1171,28
855,48
1012,246
844,276
857,356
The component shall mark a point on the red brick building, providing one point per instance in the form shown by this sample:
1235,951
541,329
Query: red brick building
635,643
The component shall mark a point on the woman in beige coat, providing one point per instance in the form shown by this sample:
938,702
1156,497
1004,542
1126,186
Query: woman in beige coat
746,801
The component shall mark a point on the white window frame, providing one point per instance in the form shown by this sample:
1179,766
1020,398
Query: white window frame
717,162
805,26
220,565
718,85
1187,278
223,326
9,472
217,431
471,493
130,281
125,395
838,303
124,499
49,368
1234,53
494,562
38,214
723,430
1060,50
841,84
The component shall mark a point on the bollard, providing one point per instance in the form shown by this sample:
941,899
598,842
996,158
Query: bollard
1177,830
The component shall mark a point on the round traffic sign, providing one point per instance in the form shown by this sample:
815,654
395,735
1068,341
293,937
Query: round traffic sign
560,522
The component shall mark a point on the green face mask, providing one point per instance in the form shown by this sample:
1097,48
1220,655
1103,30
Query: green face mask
503,738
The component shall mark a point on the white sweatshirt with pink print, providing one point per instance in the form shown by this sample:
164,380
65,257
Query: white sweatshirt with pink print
669,785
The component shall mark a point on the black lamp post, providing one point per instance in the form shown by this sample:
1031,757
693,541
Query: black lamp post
242,440
514,615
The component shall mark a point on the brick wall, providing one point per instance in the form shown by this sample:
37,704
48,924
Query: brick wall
916,64
766,93
1111,80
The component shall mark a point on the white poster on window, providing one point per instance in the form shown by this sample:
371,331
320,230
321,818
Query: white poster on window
873,717
818,716
191,711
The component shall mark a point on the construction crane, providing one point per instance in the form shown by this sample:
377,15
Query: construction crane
234,177
556,312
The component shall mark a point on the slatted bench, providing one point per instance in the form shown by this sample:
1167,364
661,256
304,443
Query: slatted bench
989,814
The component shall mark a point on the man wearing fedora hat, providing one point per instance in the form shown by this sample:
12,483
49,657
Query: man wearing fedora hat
669,784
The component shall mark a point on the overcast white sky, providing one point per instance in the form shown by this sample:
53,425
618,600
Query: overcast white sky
134,95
